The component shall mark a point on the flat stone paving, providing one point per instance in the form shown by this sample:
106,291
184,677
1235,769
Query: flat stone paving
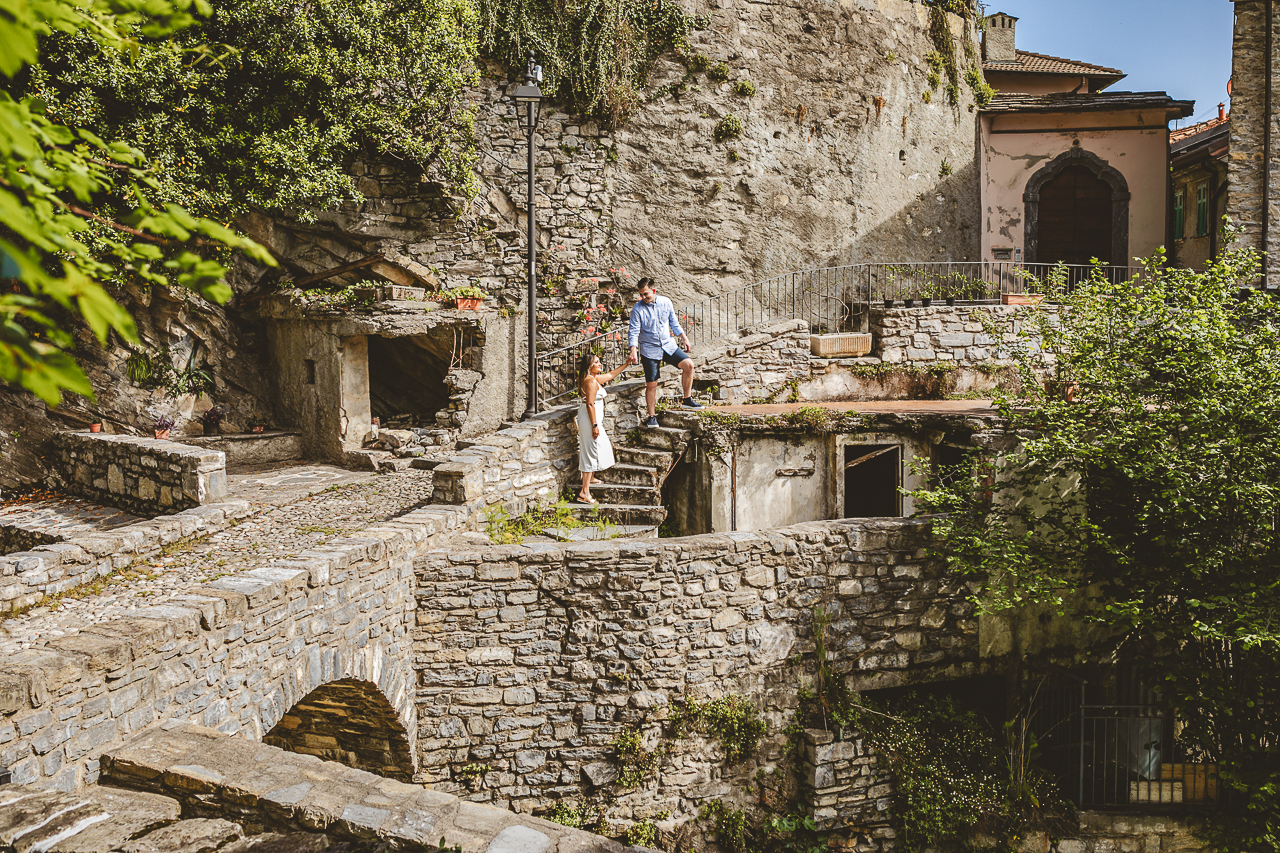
61,515
302,507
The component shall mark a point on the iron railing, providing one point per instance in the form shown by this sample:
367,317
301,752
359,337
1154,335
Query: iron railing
1120,754
830,299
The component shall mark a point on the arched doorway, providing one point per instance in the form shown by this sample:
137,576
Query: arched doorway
348,721
1077,209
1075,218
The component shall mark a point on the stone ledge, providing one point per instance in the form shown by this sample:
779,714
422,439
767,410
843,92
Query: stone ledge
217,775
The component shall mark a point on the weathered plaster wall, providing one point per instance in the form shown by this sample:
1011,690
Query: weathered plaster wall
1015,147
771,481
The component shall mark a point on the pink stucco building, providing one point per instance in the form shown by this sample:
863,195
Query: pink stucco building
1069,171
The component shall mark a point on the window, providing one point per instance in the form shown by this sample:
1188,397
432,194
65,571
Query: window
1179,214
1202,210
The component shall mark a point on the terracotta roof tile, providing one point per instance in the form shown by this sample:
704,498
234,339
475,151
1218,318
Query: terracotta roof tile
1039,63
1196,129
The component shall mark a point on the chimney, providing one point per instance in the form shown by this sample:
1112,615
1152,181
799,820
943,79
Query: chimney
998,40
1222,111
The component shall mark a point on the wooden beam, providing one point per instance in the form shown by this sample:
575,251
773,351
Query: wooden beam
321,276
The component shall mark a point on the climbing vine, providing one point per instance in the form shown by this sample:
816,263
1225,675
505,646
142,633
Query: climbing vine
596,55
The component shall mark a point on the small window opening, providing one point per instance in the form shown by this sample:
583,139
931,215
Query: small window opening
310,366
872,479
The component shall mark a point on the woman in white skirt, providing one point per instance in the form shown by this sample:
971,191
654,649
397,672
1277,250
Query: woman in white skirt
595,452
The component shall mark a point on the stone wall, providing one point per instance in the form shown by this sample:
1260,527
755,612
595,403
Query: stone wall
964,334
848,790
532,659
1245,203
233,654
146,476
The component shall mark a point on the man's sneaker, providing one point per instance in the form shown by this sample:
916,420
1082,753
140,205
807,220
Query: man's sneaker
652,423
690,403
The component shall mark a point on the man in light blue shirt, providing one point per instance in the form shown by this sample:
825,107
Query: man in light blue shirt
653,322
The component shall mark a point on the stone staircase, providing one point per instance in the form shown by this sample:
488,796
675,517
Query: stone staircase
630,493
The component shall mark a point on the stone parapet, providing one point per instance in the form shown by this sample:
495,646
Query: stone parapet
54,568
961,335
260,786
146,476
849,792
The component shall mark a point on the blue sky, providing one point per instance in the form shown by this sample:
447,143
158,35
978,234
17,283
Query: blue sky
1182,47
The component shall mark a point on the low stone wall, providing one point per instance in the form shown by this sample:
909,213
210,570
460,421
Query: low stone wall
146,476
960,334
266,789
251,449
234,654
28,576
532,659
513,466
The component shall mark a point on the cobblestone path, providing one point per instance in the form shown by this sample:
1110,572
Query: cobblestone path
276,533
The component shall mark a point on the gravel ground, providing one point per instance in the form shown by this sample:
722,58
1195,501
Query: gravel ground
275,534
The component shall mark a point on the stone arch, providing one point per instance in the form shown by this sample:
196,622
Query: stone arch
351,722
1078,156
352,704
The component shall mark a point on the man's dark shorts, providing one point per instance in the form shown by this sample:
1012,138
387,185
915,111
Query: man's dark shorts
653,365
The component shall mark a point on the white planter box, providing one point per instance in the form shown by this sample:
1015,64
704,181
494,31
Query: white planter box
845,345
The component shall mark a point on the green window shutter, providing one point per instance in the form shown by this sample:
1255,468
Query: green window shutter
1202,210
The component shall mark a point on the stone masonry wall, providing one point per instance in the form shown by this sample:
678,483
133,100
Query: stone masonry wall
234,654
146,476
532,659
961,334
1245,203
849,792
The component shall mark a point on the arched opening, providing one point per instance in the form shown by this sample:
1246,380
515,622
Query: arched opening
348,721
1075,218
1077,209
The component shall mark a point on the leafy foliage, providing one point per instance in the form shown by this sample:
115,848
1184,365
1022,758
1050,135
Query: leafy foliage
76,210
732,719
1149,504
595,56
261,104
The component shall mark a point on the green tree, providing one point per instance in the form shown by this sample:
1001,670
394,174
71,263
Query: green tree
60,184
1150,503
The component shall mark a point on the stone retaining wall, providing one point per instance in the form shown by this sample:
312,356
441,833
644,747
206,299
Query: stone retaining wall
961,334
532,659
848,792
234,654
146,476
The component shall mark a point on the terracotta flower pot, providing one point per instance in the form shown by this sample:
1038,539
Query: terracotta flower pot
257,429
95,427
468,304
162,434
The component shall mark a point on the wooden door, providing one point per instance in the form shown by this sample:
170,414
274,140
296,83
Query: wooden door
1074,223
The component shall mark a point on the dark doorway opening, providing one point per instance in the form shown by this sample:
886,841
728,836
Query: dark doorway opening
406,378
952,465
1075,218
872,478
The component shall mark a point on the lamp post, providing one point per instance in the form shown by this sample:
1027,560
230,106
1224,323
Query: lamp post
528,99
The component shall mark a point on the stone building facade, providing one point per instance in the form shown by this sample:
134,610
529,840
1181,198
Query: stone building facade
1253,194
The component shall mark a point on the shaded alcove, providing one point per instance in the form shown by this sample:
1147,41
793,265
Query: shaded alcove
351,722
407,376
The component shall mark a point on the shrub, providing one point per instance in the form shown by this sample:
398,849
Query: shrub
729,127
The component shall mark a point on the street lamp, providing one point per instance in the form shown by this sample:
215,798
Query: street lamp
528,100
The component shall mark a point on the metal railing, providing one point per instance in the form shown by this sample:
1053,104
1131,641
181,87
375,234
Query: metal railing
1125,754
829,299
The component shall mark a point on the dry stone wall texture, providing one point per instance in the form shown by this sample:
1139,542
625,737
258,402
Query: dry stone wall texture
146,476
532,659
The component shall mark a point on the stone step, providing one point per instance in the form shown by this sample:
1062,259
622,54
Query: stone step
621,514
624,474
645,457
663,438
607,493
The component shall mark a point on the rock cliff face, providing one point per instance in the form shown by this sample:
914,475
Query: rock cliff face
840,159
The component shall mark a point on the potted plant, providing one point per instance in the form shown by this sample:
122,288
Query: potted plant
211,420
888,302
927,291
96,426
163,424
257,427
466,298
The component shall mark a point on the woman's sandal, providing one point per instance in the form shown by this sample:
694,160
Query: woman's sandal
587,501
